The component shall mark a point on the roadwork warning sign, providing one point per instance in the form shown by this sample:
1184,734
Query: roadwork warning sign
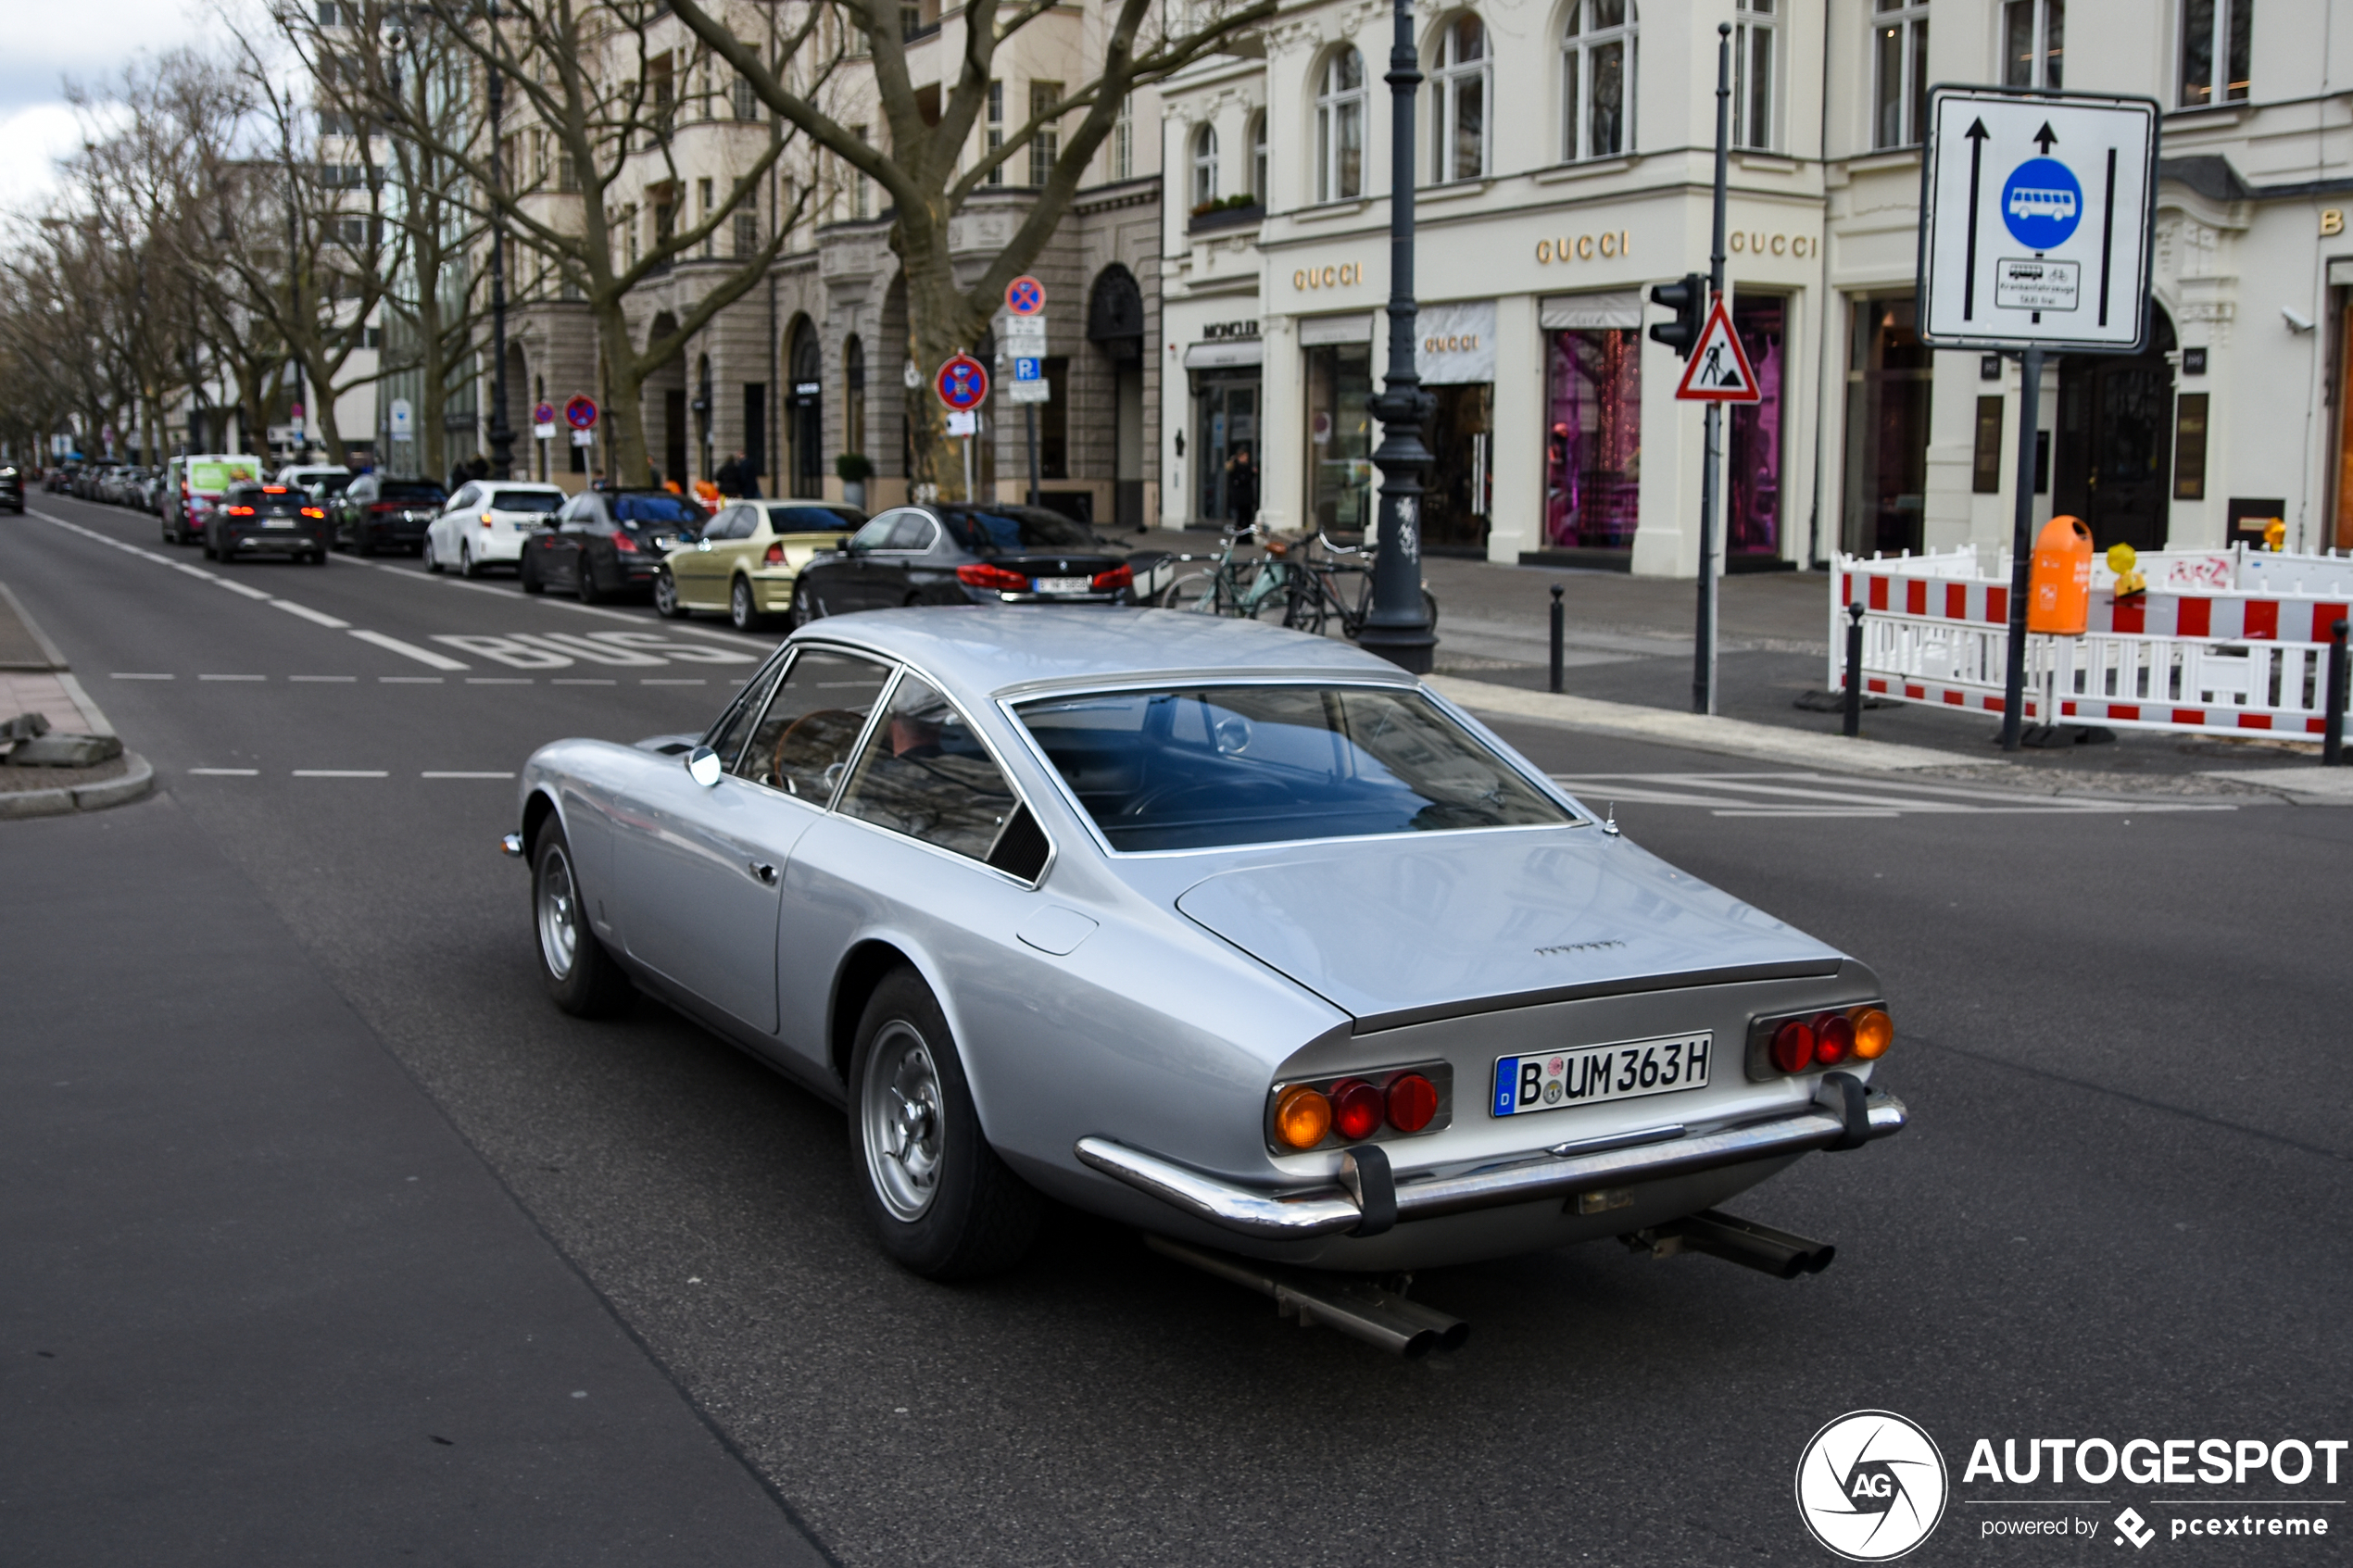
1719,370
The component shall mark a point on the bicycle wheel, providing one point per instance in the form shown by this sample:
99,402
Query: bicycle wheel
1196,592
1270,593
1311,604
1430,608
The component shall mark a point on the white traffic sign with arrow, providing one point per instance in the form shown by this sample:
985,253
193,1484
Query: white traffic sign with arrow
1719,370
2038,218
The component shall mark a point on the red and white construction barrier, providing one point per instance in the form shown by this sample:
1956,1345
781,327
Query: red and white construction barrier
2218,659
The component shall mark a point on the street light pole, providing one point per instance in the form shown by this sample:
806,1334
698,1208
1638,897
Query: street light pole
502,436
1703,655
1397,629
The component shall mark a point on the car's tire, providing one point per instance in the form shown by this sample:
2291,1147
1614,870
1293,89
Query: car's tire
940,1200
468,567
805,608
581,977
432,561
584,583
743,609
361,544
666,603
528,578
317,558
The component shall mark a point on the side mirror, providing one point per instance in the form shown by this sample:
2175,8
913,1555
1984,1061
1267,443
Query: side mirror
702,766
842,543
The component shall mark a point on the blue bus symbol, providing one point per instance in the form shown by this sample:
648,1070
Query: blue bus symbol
2041,203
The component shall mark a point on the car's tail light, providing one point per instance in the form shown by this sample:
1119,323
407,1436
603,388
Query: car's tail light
487,520
1356,1110
624,543
1783,1044
980,574
776,555
314,511
1874,1032
274,490
1116,578
1413,1101
1833,1038
1302,1117
238,512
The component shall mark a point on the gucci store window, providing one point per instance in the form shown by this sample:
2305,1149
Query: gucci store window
1753,454
1888,377
1592,427
1339,354
1454,356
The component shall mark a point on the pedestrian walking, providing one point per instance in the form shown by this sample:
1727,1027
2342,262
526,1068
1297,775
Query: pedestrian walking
1241,489
730,477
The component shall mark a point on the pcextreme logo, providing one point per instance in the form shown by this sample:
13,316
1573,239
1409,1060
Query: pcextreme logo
1871,1486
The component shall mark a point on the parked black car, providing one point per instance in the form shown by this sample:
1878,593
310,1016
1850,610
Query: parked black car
959,554
12,488
379,513
266,520
609,542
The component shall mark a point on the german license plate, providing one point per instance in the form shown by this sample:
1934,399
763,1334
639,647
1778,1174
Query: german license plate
1061,584
277,522
1591,1074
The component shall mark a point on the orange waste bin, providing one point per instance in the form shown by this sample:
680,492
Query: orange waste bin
2059,591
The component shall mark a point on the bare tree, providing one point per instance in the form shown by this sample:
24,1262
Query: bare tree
924,169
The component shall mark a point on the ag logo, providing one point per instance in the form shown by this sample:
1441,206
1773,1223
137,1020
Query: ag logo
1870,1485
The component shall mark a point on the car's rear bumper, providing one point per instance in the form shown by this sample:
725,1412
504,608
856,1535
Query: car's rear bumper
1300,1213
274,541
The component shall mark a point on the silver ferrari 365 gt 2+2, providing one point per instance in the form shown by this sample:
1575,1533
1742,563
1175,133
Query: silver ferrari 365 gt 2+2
1231,933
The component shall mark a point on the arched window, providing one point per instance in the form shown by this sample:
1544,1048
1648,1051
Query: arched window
1458,84
1205,165
1597,79
1339,128
1756,31
1258,157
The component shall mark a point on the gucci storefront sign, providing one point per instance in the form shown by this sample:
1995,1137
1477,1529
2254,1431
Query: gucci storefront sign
1757,242
1607,245
1339,276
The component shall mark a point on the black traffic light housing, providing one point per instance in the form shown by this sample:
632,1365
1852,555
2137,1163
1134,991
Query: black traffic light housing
1688,298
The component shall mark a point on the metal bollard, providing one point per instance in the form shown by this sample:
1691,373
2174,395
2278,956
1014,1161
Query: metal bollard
1560,638
2333,732
1852,725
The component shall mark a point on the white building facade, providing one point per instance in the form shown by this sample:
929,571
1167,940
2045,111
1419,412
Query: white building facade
1565,153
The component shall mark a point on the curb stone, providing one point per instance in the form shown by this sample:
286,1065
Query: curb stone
137,783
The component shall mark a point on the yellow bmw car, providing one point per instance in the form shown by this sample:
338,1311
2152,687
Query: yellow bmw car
743,565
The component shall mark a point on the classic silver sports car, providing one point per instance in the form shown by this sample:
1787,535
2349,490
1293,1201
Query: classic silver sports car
1238,936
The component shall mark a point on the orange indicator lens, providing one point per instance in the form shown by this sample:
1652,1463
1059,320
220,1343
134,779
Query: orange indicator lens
1302,1117
1874,1032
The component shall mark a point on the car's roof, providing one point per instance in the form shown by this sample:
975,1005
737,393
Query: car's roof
1000,649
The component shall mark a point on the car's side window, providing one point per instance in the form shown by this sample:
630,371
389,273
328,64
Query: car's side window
735,523
572,510
465,498
875,536
804,740
735,725
913,532
925,774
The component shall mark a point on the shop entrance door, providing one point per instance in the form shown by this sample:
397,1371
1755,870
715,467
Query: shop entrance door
1227,490
2113,466
1460,437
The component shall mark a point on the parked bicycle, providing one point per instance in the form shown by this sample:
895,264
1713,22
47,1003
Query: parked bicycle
1315,595
1256,587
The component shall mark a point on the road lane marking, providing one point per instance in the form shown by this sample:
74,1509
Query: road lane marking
341,773
325,680
429,774
317,617
249,593
498,679
408,680
410,650
583,680
232,677
128,675
224,773
648,682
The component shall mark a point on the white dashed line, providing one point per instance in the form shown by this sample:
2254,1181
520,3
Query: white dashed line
126,675
341,773
497,680
317,617
232,677
654,683
224,773
581,681
408,680
450,775
325,680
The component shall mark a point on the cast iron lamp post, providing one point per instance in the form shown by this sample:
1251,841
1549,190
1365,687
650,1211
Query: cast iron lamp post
1397,629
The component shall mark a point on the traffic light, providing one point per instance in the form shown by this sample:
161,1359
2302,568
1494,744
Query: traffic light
1688,298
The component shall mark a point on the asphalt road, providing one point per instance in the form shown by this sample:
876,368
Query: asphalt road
2120,1030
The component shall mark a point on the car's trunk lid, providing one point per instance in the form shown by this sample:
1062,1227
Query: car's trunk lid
1400,930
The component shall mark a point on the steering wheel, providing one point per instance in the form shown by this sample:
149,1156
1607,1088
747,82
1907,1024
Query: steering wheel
813,738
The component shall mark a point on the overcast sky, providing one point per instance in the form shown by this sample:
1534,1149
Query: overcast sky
90,41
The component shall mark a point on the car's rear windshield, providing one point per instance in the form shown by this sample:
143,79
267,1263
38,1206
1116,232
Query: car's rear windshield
217,476
1202,767
410,489
328,484
990,531
526,500
814,520
658,508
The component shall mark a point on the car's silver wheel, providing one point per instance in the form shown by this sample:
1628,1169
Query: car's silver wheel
559,913
432,557
666,595
903,1121
743,611
467,565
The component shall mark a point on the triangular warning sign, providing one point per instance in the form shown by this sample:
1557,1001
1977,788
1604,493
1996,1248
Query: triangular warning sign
1719,370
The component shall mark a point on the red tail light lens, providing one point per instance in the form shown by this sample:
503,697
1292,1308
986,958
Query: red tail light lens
1356,1110
776,555
312,511
274,490
1118,577
1793,1045
238,512
1833,1038
980,574
624,543
1413,1101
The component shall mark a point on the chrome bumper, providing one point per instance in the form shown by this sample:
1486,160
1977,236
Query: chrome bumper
1312,1211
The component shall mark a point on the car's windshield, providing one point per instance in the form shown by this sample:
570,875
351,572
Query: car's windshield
327,483
1200,767
985,532
216,476
411,490
669,509
527,500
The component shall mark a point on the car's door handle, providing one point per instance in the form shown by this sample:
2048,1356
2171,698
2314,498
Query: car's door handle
762,873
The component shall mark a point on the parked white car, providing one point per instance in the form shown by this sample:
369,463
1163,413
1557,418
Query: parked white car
487,523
